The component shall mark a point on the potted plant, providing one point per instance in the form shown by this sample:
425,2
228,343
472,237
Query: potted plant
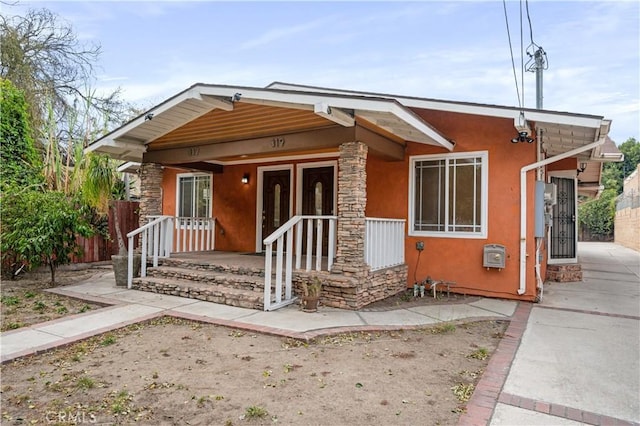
98,192
311,294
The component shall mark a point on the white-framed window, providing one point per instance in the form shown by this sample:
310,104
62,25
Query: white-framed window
448,195
193,195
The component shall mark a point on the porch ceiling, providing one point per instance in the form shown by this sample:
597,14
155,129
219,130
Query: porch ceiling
209,115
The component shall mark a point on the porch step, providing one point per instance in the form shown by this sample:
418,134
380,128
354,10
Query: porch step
209,277
210,292
203,265
564,273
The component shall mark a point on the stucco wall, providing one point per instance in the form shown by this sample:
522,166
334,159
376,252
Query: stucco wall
460,259
452,259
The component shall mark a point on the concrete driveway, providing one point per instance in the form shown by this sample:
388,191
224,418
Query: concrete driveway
579,357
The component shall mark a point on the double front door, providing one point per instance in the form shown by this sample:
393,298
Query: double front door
316,192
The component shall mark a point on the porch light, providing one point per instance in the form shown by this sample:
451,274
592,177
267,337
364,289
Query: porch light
522,137
245,178
582,168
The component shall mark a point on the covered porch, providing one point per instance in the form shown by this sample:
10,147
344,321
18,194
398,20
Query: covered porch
278,172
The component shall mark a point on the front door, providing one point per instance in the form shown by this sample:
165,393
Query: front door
563,226
317,197
275,200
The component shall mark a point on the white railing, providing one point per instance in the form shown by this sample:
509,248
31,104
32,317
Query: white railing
315,228
164,235
194,234
383,242
156,240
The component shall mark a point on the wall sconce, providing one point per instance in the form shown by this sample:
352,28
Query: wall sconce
582,168
245,178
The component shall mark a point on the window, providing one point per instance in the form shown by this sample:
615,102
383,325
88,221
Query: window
194,195
448,195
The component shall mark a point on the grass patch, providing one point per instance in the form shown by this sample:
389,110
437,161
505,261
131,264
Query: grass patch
39,305
85,382
480,353
84,308
109,339
10,300
255,412
443,329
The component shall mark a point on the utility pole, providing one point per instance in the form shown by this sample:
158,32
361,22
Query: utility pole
538,63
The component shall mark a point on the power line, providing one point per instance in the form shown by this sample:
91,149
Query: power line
521,54
513,64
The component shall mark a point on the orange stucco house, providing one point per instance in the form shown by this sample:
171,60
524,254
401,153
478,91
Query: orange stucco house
370,192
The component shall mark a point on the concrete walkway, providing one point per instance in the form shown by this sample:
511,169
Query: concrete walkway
574,358
131,306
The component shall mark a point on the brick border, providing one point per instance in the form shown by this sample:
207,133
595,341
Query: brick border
562,411
485,397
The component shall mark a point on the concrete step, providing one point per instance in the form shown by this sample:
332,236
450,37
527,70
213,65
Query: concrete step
564,273
213,267
209,277
211,292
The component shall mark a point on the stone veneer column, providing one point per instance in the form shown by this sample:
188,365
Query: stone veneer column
352,201
150,191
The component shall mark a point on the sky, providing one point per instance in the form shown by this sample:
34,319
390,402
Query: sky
448,50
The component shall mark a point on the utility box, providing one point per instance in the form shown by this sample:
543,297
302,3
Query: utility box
494,256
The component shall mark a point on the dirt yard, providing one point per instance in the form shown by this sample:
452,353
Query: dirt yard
171,371
24,301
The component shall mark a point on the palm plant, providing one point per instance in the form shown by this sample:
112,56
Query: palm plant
97,188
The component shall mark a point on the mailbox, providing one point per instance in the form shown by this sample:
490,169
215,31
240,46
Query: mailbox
494,256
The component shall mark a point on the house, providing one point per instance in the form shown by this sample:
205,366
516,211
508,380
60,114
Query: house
372,192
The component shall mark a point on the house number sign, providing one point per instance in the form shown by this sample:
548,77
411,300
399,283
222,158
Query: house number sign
193,151
277,142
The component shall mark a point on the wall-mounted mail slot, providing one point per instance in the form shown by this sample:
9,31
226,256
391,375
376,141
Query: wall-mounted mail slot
494,256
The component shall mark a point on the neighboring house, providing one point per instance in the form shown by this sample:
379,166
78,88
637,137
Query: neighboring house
627,220
389,189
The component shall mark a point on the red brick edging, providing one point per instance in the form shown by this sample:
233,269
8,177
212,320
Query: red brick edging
485,397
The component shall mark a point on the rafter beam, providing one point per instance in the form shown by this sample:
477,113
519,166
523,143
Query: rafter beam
334,114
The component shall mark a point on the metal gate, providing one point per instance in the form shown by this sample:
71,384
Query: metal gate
563,228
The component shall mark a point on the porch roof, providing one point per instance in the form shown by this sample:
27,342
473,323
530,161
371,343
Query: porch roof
206,114
559,131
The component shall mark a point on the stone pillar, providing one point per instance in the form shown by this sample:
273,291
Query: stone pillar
150,191
352,201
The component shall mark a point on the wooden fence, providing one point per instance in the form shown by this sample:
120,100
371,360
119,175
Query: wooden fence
98,248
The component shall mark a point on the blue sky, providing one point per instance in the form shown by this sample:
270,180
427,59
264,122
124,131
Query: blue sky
444,50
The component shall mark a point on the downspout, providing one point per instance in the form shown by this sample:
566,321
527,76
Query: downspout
523,202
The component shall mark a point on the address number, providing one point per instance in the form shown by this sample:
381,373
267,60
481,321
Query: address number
277,142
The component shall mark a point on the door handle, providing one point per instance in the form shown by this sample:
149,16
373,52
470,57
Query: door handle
573,218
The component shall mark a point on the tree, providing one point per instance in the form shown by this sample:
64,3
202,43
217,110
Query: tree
614,174
40,227
42,56
598,214
20,161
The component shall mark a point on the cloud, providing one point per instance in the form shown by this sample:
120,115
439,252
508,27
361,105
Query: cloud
282,33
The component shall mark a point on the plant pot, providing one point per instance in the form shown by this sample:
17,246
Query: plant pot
120,267
310,304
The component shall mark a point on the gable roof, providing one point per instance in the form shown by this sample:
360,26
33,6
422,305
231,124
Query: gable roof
290,106
129,141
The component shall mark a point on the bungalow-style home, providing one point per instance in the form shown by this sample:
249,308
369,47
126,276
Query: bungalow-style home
259,190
